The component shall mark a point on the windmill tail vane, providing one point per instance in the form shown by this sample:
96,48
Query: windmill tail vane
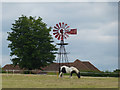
72,31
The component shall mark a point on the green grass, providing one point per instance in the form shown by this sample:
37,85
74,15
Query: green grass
53,81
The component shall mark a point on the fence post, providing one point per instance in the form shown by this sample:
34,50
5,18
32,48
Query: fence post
7,72
57,75
13,72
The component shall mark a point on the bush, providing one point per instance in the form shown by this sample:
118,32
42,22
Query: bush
3,71
28,72
117,70
100,74
93,74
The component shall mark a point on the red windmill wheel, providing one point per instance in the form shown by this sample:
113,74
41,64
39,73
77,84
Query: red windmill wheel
61,31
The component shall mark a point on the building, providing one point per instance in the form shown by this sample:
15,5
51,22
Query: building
81,65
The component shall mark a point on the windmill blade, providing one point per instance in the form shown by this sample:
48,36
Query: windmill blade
55,30
60,24
55,27
66,34
57,35
65,37
67,27
63,25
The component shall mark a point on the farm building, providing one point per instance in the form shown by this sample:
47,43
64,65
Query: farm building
81,65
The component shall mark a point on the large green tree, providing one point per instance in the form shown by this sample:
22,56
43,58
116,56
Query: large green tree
30,43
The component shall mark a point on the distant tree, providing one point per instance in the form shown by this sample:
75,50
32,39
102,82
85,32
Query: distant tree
117,70
31,43
107,71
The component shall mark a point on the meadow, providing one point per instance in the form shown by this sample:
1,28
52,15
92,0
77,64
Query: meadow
53,81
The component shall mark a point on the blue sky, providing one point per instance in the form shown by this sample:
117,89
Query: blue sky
97,25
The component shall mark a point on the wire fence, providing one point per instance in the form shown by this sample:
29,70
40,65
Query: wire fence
30,71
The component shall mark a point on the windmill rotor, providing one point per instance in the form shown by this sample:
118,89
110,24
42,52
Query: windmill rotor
61,31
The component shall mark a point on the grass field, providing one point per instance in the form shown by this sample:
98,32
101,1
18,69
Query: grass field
52,81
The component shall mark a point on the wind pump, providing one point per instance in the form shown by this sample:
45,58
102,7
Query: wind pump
61,32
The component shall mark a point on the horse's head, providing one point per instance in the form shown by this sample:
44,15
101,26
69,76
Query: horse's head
78,74
75,70
64,69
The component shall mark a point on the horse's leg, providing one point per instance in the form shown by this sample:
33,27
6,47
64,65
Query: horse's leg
60,74
71,74
78,74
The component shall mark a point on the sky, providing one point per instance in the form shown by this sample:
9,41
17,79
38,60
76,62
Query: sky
96,22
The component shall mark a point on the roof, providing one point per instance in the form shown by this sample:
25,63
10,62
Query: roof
80,65
11,67
90,66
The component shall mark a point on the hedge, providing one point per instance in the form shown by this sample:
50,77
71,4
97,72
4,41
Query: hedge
93,74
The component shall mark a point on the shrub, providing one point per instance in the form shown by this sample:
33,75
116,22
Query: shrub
93,74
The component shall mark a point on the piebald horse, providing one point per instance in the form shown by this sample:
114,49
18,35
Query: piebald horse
71,70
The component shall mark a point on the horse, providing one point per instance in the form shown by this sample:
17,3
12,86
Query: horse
71,70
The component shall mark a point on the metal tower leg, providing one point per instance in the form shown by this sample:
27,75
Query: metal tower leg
62,55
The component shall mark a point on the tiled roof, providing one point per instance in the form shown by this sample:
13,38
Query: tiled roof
90,66
11,67
81,65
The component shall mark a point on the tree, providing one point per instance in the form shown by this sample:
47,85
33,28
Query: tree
30,43
117,70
